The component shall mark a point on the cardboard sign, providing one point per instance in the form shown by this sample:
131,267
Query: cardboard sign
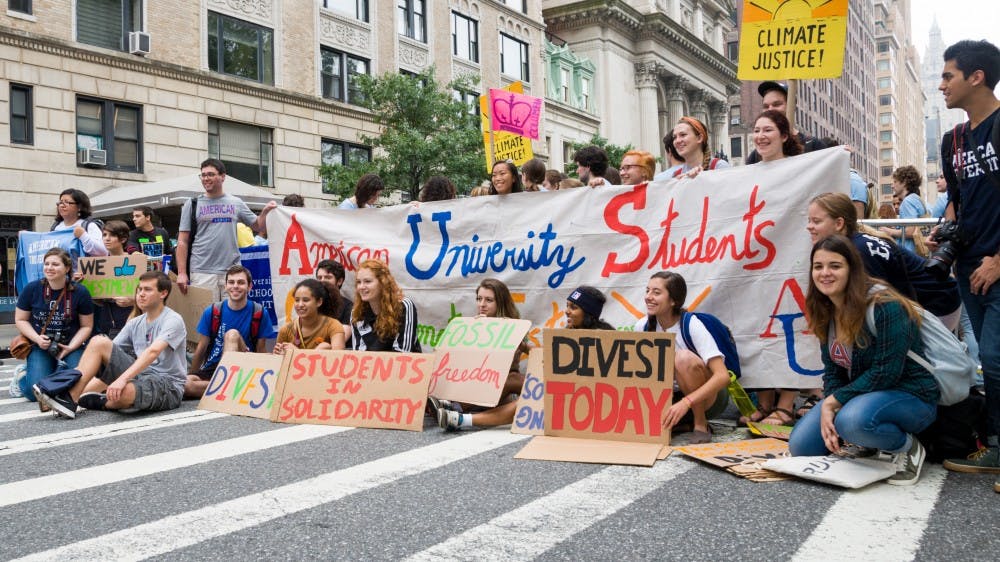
732,453
515,113
473,358
783,432
545,448
244,384
190,306
529,418
781,39
504,145
107,277
831,469
354,389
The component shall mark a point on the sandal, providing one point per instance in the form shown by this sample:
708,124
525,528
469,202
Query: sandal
811,401
699,437
779,416
756,417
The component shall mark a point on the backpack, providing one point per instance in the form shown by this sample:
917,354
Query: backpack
720,333
86,224
947,359
193,214
957,430
258,313
711,166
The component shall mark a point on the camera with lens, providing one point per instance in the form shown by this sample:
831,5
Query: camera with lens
950,243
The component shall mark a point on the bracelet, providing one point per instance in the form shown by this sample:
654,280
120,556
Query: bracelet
688,400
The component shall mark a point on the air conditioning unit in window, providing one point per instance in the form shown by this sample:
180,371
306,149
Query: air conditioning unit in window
735,120
138,43
92,157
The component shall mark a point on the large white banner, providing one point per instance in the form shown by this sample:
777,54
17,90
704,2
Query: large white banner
737,236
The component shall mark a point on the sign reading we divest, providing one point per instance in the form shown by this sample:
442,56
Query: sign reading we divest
785,39
610,385
112,276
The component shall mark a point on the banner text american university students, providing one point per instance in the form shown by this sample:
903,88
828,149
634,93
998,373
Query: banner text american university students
736,234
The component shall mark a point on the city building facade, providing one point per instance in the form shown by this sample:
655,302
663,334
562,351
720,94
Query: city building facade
938,119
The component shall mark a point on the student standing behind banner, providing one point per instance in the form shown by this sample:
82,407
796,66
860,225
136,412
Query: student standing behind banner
689,140
73,211
505,179
637,167
154,241
314,325
366,193
493,300
774,97
877,398
383,318
331,274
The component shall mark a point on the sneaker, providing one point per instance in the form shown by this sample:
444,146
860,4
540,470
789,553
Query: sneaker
985,460
62,404
43,406
449,420
93,400
908,465
15,383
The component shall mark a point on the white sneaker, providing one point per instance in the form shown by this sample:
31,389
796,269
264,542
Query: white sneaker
909,464
449,420
20,372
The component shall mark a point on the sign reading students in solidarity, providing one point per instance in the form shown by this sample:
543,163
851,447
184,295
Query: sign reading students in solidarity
737,235
112,276
610,385
785,39
473,359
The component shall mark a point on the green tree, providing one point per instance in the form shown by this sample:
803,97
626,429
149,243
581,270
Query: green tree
425,131
615,152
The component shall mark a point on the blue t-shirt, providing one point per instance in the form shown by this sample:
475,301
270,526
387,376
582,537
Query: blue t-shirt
978,198
63,326
859,190
911,208
239,320
940,204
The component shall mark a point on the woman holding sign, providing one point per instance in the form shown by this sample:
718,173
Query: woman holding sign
877,398
700,370
383,319
110,315
73,210
315,325
493,300
56,316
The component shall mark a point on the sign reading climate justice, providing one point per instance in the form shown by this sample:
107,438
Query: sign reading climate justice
736,235
785,39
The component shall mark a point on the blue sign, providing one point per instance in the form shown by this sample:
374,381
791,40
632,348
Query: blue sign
257,260
31,248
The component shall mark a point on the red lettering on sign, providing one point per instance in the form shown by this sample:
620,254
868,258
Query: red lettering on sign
295,240
792,286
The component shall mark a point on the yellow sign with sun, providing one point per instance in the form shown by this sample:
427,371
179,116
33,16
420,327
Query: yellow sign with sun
785,39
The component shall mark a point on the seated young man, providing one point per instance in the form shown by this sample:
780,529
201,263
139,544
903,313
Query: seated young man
235,324
331,274
142,369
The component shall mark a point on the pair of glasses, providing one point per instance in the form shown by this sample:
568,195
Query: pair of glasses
208,175
66,203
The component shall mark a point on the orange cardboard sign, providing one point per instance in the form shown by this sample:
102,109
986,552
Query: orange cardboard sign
354,389
732,453
529,418
473,358
244,384
611,385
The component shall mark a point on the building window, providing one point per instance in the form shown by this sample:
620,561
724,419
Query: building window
23,6
885,99
564,84
885,154
736,147
733,51
585,93
884,83
885,119
886,189
521,5
464,37
21,115
412,20
886,170
339,75
339,153
885,136
246,150
240,48
357,9
469,98
883,46
882,65
113,127
514,57
107,23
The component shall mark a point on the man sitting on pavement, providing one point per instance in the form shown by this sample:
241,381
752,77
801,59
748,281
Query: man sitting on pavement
141,370
234,324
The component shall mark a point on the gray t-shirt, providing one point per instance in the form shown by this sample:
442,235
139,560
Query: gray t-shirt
215,249
138,335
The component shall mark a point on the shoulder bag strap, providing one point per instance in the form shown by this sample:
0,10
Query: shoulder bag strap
52,310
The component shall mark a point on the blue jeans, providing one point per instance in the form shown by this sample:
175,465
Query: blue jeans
41,364
969,337
984,312
880,420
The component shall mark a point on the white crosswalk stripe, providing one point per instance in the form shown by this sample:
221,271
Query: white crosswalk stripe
21,416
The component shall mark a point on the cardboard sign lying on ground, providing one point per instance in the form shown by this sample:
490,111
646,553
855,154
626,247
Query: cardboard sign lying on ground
731,453
190,307
529,418
783,432
546,448
107,277
831,469
244,384
354,389
473,357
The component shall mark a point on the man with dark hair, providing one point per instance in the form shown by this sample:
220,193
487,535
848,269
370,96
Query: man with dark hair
591,164
207,233
234,324
331,274
154,241
293,200
141,370
774,95
970,166
906,182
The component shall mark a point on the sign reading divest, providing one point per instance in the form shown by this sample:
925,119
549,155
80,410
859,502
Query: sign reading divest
244,384
473,358
354,389
784,39
107,277
611,385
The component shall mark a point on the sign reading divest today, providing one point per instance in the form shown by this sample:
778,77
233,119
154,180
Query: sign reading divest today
473,358
354,389
244,384
611,385
784,39
107,277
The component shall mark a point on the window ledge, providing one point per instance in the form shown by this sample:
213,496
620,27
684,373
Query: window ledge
22,16
113,174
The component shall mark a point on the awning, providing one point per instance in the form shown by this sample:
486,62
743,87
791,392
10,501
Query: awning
119,200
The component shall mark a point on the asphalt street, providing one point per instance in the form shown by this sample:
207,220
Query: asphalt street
194,485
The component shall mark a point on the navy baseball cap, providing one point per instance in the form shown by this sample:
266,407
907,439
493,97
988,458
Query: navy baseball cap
766,87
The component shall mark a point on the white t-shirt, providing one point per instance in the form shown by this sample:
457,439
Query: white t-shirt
700,337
